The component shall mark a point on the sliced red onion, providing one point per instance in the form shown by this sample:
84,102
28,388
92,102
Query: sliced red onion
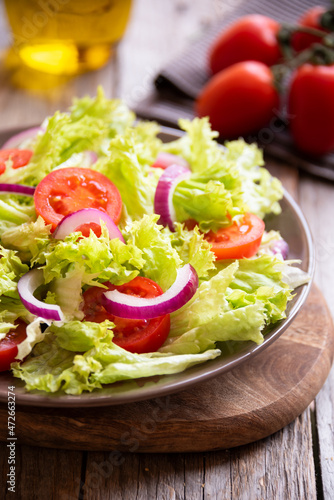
17,189
164,160
90,157
26,288
17,139
73,221
163,199
281,247
129,306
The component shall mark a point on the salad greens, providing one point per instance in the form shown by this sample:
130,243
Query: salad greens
235,300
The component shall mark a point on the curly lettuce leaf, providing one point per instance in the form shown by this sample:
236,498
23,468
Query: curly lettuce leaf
197,146
81,336
211,198
193,249
239,300
161,260
11,269
112,112
97,257
261,191
90,123
225,182
14,210
27,239
128,167
51,368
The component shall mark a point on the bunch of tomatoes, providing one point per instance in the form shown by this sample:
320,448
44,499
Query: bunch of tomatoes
262,69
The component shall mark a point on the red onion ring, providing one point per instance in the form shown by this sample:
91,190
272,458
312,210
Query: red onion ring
90,157
17,189
26,288
129,306
163,199
281,247
17,139
74,220
164,160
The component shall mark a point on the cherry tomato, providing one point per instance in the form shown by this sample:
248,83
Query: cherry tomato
238,240
239,100
134,335
311,107
8,346
19,158
251,38
311,19
67,190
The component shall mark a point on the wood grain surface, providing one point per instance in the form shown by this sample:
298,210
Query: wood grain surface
246,404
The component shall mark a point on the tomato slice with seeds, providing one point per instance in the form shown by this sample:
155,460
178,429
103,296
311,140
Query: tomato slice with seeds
67,190
18,157
8,345
134,335
237,241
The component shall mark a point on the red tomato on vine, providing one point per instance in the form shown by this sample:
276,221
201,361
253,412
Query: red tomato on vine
239,100
310,19
252,37
311,107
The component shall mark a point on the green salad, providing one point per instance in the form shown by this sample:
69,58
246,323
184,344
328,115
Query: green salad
125,257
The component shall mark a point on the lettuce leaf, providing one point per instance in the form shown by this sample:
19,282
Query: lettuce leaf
113,112
128,167
211,197
161,260
97,257
92,121
14,210
239,300
51,368
81,336
225,182
11,308
197,146
261,191
27,239
11,269
193,249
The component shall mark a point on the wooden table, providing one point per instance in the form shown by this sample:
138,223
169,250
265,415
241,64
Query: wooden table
296,462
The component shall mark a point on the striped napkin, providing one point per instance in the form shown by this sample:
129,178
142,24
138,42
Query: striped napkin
175,88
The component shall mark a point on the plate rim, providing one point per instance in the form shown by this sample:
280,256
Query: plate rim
52,400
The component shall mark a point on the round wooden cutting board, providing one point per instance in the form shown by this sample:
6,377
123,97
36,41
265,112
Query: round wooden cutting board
248,403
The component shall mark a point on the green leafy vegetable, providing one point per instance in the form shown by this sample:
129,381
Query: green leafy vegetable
235,301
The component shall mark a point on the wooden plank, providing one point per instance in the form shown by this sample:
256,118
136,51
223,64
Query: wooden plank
120,476
317,203
278,467
42,473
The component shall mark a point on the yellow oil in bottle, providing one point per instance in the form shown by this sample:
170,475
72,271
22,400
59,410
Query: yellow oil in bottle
66,37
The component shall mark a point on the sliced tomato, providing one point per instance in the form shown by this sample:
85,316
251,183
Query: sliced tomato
8,346
238,240
134,335
67,190
18,157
